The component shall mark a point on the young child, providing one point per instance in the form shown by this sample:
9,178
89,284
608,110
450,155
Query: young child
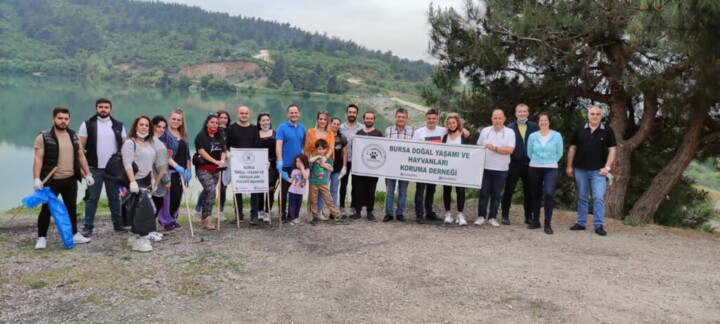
319,182
298,182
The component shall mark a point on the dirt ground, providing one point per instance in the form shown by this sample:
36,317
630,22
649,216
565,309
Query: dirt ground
366,272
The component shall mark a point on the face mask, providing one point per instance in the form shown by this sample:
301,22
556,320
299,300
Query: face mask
523,121
142,135
265,127
212,131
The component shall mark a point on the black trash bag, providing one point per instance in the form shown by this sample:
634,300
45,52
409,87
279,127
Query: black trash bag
139,212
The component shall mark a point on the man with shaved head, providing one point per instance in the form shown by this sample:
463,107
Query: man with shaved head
590,157
242,134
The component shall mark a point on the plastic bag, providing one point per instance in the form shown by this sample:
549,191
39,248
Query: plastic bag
57,210
139,212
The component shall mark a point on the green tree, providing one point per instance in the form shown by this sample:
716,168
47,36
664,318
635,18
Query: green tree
286,87
644,62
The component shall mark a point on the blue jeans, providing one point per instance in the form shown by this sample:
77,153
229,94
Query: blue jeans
334,186
112,191
543,185
492,184
587,180
390,196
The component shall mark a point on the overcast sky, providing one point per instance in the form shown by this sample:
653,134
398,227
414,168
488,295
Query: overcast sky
396,25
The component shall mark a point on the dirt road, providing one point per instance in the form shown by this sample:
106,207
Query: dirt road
367,272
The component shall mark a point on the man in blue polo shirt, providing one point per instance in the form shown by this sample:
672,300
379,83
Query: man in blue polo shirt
289,142
590,156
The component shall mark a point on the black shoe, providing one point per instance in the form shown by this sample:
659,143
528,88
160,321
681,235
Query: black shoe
253,221
420,220
528,221
233,221
431,216
87,232
356,216
506,221
548,229
120,229
534,225
315,221
600,231
577,227
387,218
371,217
400,218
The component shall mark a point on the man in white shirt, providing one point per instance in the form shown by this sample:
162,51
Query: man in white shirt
499,143
101,136
349,129
425,192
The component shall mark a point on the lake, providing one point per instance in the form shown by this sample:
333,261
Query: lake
26,109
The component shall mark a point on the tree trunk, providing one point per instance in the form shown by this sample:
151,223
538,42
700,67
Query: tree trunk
661,185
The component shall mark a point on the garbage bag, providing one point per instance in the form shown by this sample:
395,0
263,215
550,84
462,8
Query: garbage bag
139,212
57,210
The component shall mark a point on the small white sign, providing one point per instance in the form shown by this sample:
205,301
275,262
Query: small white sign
249,170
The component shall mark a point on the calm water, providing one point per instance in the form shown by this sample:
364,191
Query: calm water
26,109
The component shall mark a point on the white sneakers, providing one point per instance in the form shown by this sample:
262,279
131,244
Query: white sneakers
480,221
155,236
80,239
461,220
142,244
295,221
322,216
262,216
131,239
493,222
41,243
448,218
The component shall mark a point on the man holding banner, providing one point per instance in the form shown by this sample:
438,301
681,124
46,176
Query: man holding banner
365,185
242,134
499,143
431,132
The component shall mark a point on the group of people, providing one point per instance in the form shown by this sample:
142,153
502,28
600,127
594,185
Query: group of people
157,160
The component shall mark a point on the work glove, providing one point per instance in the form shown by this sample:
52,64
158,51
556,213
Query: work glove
179,169
188,176
37,184
343,172
279,166
134,188
89,180
285,176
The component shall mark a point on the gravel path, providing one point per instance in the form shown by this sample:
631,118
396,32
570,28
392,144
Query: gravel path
366,272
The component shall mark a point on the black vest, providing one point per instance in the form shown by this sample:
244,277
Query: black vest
52,153
91,145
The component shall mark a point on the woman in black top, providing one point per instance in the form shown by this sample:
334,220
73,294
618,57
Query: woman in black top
340,162
267,140
176,141
454,125
211,147
224,121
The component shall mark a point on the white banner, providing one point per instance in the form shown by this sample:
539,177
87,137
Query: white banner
249,170
438,163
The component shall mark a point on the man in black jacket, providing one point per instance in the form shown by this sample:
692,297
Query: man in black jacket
101,136
59,148
519,162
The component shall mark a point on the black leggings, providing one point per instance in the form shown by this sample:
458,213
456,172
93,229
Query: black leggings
343,187
176,192
67,188
447,197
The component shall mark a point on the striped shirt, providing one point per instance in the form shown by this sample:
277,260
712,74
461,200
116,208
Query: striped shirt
406,133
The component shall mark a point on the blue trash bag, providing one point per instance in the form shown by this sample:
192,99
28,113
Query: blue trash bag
57,210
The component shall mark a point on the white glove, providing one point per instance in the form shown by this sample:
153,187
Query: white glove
89,180
134,188
37,184
343,172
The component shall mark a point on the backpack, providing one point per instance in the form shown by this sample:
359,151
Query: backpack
115,168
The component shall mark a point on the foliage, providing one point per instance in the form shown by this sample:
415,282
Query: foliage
708,228
148,42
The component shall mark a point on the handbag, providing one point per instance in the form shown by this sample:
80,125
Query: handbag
198,160
115,169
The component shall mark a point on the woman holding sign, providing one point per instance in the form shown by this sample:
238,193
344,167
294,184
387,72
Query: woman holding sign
454,125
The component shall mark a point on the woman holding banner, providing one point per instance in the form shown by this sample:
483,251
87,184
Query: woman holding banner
267,140
454,125
320,131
